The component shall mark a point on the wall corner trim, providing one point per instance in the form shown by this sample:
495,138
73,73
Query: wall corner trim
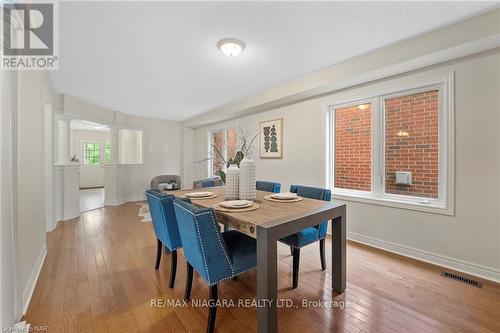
35,273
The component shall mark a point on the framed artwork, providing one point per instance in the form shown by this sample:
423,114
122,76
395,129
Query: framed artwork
271,138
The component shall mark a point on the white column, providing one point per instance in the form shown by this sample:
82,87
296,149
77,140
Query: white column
63,137
115,145
114,173
66,191
67,179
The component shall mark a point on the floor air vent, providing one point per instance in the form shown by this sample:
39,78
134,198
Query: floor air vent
462,279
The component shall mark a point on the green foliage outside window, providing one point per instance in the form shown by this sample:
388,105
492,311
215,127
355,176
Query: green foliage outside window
91,154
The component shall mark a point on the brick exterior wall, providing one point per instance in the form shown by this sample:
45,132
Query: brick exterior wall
218,142
353,148
231,146
411,143
232,143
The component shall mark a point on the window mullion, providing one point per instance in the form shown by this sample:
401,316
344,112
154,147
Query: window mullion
224,145
443,158
378,148
332,147
102,152
212,155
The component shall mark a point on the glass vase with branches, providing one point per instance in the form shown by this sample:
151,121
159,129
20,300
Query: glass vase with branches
246,141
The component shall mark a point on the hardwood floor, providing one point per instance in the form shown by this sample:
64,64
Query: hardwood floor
91,198
99,276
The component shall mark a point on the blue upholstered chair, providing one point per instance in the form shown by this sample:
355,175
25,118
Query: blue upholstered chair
162,212
268,186
308,235
214,255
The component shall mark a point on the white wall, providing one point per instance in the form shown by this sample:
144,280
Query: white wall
34,93
162,141
50,215
190,169
468,241
9,295
30,140
130,146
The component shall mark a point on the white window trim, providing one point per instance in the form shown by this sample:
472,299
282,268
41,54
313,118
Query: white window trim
224,147
376,94
332,108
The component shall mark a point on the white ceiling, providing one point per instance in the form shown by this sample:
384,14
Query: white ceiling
159,59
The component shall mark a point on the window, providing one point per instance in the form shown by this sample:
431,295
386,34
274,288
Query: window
353,147
218,144
96,152
412,144
91,153
393,145
231,143
222,142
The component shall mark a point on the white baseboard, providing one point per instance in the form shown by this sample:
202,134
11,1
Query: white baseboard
30,287
137,198
114,202
484,272
52,226
118,202
22,326
70,217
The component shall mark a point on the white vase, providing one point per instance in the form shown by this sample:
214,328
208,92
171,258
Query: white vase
247,179
232,182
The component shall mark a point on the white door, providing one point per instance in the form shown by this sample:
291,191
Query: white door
94,154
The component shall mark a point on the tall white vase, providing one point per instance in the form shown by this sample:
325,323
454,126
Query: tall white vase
232,182
247,179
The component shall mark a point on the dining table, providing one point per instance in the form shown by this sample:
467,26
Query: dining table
271,222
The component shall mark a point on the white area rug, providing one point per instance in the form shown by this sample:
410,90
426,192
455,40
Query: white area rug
144,212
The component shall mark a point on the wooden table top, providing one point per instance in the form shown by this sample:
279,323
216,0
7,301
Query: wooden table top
269,212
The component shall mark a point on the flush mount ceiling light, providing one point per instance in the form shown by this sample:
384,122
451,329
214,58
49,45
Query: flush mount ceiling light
231,46
363,106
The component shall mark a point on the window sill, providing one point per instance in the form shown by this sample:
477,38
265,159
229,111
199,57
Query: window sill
435,208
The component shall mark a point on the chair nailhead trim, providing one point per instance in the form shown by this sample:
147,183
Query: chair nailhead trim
162,209
201,243
199,238
205,263
230,277
219,238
